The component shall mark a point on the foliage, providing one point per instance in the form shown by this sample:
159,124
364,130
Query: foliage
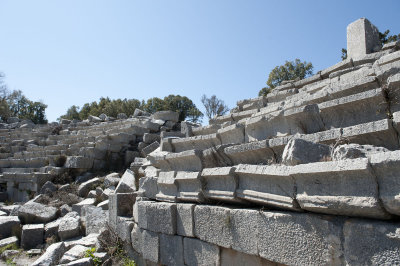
129,262
384,38
289,71
12,246
186,108
89,253
214,106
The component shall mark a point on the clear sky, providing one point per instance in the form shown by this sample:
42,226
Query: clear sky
76,51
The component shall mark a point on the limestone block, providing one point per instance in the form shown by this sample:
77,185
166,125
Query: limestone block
244,114
213,225
74,253
148,186
120,204
78,162
362,38
9,225
233,134
151,137
167,186
149,243
184,161
166,116
171,250
393,92
150,148
95,219
190,186
230,257
371,242
299,151
251,153
85,187
197,142
389,58
215,157
78,206
345,187
354,109
353,151
32,235
267,185
51,229
347,63
32,213
69,226
205,130
197,252
52,255
9,241
386,167
124,228
220,183
300,239
127,184
81,262
245,230
158,217
185,219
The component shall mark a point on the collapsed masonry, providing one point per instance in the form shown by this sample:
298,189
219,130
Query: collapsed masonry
307,175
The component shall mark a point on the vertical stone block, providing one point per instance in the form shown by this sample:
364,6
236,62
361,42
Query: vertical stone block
171,250
362,38
197,252
190,186
185,219
157,217
167,186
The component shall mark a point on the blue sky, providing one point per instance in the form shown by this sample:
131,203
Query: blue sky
73,52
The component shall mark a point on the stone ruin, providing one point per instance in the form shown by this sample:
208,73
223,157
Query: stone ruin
307,175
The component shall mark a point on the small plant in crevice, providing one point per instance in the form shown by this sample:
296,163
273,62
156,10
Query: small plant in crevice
90,254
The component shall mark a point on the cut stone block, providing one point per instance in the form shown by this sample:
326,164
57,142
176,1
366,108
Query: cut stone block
151,137
245,224
184,161
195,143
299,151
148,186
371,242
190,186
127,184
69,226
185,219
9,225
251,153
166,116
220,183
13,240
74,253
197,252
150,148
215,157
386,167
345,187
171,251
120,204
157,217
78,162
78,206
52,255
32,236
149,242
320,239
233,134
354,151
213,225
51,229
167,186
32,213
267,185
362,38
205,130
230,257
95,219
85,187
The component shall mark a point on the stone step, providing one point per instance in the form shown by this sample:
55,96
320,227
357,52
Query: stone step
20,163
22,170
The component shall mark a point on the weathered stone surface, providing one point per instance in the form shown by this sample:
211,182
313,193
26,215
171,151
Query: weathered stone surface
171,251
48,188
78,206
345,187
189,160
190,186
52,255
32,213
9,225
267,185
197,252
95,219
299,151
195,143
32,235
245,233
9,241
87,241
120,204
185,219
215,157
64,209
148,186
74,253
353,151
127,183
167,187
213,225
233,134
85,187
220,183
251,153
371,242
149,242
157,217
166,116
69,226
386,167
362,38
51,229
81,262
150,148
300,239
231,257
111,180
78,162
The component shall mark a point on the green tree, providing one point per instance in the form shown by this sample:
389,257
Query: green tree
4,108
214,106
72,113
183,105
289,71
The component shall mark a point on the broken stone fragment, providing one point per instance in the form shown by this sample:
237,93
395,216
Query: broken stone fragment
299,151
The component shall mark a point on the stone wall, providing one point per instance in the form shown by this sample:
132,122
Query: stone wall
307,175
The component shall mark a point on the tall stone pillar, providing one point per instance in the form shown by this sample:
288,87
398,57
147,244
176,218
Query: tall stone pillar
362,38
